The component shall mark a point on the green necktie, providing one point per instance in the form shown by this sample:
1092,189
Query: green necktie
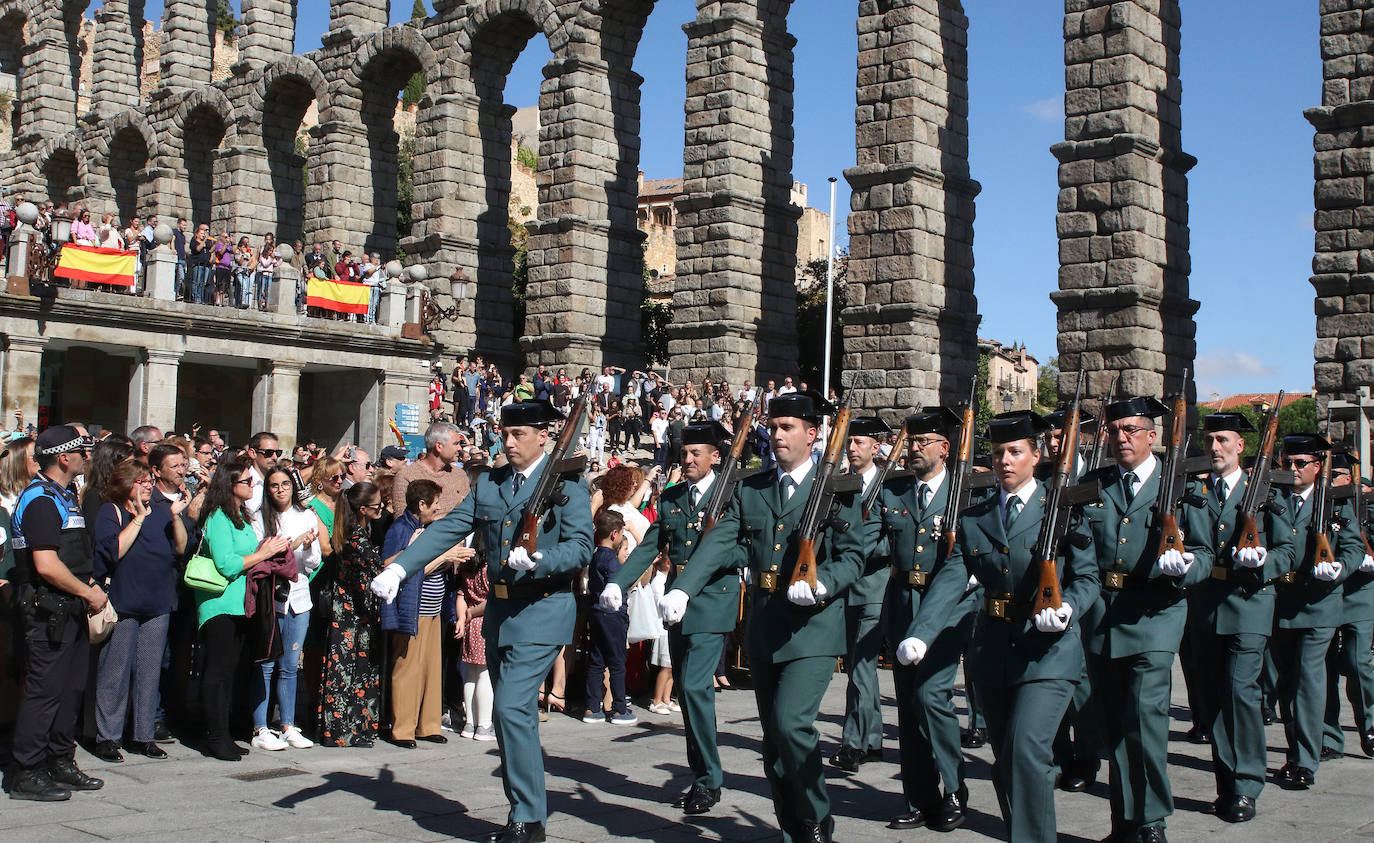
695,495
1013,510
921,490
1128,485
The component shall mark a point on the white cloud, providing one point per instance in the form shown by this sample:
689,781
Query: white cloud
1047,110
1225,363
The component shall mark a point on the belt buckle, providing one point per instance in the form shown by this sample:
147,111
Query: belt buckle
916,577
1115,580
768,581
1289,578
501,591
997,607
1219,572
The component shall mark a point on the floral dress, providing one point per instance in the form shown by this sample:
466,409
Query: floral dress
350,697
473,589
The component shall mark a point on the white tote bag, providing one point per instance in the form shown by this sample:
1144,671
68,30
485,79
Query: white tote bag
644,621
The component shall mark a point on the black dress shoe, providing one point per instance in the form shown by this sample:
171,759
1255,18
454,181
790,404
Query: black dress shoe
1329,754
847,758
820,832
148,749
38,786
1199,735
915,819
951,813
973,738
1367,743
107,751
518,833
432,738
364,743
1240,810
1303,778
1078,776
65,772
161,734
1267,715
682,800
1152,834
403,744
701,800
223,750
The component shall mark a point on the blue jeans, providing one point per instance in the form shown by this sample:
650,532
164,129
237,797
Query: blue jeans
264,280
374,300
292,628
201,278
181,279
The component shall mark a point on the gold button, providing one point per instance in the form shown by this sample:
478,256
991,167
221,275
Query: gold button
779,525
505,544
1125,520
920,548
916,568
689,542
1121,541
1005,571
777,547
1006,549
507,523
1118,562
922,530
774,568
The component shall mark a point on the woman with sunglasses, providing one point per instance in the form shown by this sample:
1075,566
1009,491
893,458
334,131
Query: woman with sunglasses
283,515
232,544
137,546
326,485
350,696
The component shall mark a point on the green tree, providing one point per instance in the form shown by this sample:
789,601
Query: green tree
1047,386
528,158
405,189
225,21
1298,417
980,394
415,86
811,297
654,319
520,274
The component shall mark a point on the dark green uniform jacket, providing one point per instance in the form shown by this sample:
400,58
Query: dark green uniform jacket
1309,603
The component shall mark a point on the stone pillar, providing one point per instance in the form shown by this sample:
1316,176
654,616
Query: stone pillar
276,400
391,310
22,372
338,198
188,42
911,328
161,274
285,285
271,31
1123,201
358,17
734,176
1343,263
116,56
243,192
153,389
46,98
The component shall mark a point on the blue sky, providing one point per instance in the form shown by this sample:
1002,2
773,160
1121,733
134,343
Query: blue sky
1248,67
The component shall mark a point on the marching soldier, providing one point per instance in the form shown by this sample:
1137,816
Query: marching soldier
863,718
1025,663
531,610
927,729
696,643
1134,629
1349,653
1235,613
794,633
1308,608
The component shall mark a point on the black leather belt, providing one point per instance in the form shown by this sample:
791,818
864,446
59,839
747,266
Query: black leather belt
530,590
1003,607
915,579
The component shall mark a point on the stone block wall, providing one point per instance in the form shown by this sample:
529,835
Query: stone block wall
1343,166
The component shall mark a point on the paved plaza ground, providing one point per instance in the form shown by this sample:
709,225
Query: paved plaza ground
610,783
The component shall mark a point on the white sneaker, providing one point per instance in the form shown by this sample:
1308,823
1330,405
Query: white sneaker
674,707
484,733
468,732
659,708
269,740
293,736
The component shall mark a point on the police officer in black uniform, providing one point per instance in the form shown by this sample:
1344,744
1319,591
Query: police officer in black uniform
53,564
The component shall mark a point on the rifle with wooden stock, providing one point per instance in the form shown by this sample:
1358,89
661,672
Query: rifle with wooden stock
1059,504
1172,474
1321,516
876,487
1100,440
958,477
729,474
548,489
1256,497
818,515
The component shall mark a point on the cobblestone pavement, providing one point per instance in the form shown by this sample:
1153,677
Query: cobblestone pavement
610,782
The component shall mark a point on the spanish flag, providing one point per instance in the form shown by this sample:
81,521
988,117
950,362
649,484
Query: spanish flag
339,296
96,266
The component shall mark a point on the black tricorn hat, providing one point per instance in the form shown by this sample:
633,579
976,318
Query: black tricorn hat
1018,424
1056,419
1227,421
536,412
1147,407
1342,459
933,420
869,426
809,405
1305,443
711,433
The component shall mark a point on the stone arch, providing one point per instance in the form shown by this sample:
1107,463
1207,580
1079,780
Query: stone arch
62,166
199,100
128,154
540,13
206,133
13,19
396,39
282,97
136,122
300,68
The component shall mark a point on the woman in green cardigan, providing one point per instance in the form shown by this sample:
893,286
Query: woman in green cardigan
231,542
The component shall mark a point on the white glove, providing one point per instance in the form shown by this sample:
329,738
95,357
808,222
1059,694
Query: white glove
1326,571
1250,557
1368,564
1175,564
611,599
800,593
747,576
388,582
1054,620
972,583
911,651
521,560
672,607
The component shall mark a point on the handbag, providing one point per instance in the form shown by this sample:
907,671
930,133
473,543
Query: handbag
202,575
102,623
645,624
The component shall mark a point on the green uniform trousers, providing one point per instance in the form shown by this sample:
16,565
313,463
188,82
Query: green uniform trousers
789,699
1192,659
1233,700
1134,695
1022,722
516,672
1349,656
932,759
695,658
1080,739
863,716
966,628
1300,655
